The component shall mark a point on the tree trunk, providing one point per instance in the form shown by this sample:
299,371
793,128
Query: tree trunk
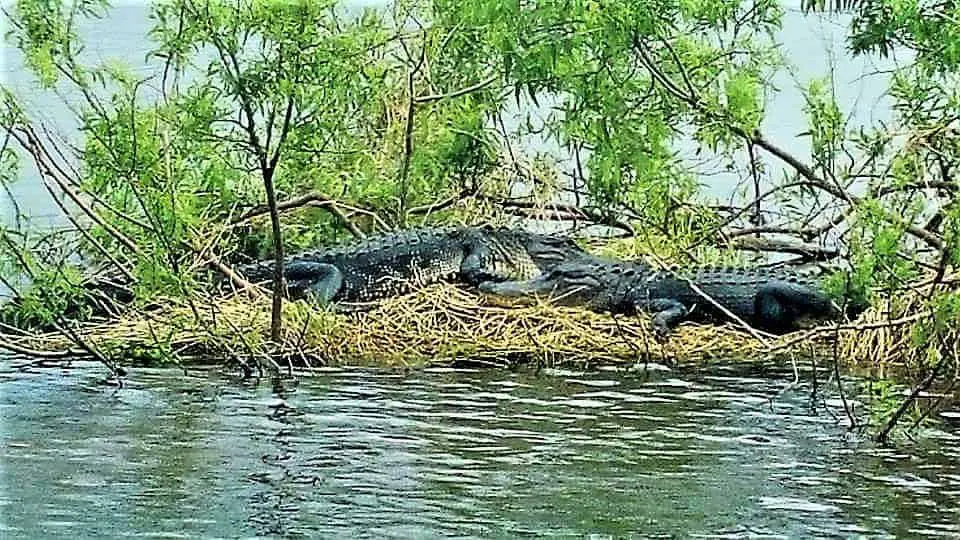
277,255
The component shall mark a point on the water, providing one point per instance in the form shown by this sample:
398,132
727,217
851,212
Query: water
361,453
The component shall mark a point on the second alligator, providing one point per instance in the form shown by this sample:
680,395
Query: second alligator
773,300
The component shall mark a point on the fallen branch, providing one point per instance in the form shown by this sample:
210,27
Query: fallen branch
809,250
35,353
567,211
236,278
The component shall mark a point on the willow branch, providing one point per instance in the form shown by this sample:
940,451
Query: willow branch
756,137
422,100
32,144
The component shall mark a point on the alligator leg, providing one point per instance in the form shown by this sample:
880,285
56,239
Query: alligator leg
319,282
771,315
473,270
667,314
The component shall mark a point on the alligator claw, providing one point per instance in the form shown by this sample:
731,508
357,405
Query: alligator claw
661,334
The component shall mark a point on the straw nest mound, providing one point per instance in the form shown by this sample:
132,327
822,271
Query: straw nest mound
441,324
901,332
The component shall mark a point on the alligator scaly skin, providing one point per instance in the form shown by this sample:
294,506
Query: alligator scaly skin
771,299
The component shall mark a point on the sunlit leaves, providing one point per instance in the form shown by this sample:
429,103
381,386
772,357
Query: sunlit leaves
742,92
930,29
9,165
586,56
825,121
836,5
943,323
54,290
876,251
951,231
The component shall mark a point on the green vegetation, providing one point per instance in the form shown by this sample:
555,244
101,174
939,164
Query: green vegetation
338,122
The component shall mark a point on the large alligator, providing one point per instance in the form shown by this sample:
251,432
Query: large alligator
398,262
769,299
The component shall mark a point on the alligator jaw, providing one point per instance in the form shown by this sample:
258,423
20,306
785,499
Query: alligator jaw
508,293
509,289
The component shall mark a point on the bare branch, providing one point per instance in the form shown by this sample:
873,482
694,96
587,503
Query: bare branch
422,100
408,130
318,200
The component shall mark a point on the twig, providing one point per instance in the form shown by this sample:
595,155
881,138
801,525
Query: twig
421,100
755,173
760,336
836,373
813,332
884,433
438,205
940,399
318,200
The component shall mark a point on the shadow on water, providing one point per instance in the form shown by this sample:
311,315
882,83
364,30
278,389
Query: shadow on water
365,453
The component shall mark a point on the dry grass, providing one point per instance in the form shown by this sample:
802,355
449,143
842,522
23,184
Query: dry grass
441,324
883,339
885,336
437,325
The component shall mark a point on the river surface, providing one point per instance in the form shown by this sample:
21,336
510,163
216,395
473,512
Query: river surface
722,453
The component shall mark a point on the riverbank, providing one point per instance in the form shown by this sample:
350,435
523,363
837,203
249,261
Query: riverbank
438,325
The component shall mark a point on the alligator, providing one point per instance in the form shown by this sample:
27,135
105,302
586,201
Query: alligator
769,299
399,262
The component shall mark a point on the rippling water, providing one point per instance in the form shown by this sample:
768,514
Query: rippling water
362,453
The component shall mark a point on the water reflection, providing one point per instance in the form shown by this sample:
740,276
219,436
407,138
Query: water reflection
361,453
